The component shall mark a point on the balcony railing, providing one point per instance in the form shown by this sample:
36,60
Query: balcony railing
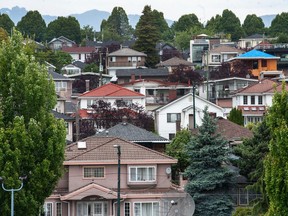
157,100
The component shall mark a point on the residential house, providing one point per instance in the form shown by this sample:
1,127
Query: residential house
259,63
215,57
251,41
174,63
79,53
132,133
89,185
255,99
158,92
71,69
63,85
58,43
198,47
111,93
183,113
124,58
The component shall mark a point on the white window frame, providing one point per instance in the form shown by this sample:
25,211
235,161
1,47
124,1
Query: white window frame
146,178
60,86
46,211
140,206
171,119
216,58
93,171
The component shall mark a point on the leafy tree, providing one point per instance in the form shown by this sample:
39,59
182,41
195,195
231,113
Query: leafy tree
282,38
3,34
214,24
235,116
230,24
87,33
79,84
252,153
184,75
209,178
68,27
6,23
279,24
276,161
148,34
32,139
186,22
253,25
177,149
33,26
182,40
107,115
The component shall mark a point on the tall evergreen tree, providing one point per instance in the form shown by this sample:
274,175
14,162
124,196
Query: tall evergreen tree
276,162
6,23
279,24
235,116
209,178
148,34
32,139
32,25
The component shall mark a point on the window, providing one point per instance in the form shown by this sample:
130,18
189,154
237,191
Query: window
58,209
79,56
139,59
48,209
142,174
92,208
171,136
260,100
144,209
60,86
113,59
264,63
127,209
216,58
245,99
123,103
255,64
252,99
93,172
173,117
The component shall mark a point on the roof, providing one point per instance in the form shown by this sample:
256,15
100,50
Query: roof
101,150
143,72
127,52
255,54
230,130
57,76
70,107
254,36
175,61
225,49
111,90
79,64
62,116
132,133
78,49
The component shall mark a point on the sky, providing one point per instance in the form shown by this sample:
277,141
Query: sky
172,9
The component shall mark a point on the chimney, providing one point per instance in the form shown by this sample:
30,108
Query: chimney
172,94
87,85
132,77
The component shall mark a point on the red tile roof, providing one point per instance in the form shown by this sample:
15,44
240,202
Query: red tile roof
78,49
111,90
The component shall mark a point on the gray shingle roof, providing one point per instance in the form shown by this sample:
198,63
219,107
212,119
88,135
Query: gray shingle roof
126,52
132,133
62,116
143,72
57,76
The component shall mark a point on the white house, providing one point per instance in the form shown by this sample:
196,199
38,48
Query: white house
180,114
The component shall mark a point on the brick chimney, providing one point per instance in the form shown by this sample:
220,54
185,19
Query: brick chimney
132,77
172,94
87,85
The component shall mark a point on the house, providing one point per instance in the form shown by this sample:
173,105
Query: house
124,58
79,53
181,113
259,63
255,99
89,185
174,63
215,57
111,93
132,133
71,69
58,43
251,41
198,47
63,85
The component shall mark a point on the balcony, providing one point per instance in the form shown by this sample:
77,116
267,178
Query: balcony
157,100
125,64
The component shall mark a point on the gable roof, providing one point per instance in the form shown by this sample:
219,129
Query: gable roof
111,90
256,54
58,77
254,36
62,116
132,133
126,52
142,72
175,61
225,49
101,150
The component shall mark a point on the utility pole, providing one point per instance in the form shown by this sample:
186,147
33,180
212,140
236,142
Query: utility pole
119,172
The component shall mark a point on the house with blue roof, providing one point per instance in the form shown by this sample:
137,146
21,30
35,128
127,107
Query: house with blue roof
260,64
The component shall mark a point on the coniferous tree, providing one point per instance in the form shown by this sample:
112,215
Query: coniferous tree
6,23
276,161
32,139
253,25
235,116
209,178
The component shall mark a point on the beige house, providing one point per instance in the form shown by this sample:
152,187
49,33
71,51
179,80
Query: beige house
89,186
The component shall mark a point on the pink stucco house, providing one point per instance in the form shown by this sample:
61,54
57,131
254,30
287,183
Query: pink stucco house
89,184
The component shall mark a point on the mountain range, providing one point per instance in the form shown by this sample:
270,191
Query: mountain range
94,17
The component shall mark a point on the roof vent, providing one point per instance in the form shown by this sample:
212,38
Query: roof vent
81,145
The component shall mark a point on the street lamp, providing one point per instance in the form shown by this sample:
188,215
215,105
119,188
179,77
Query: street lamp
118,186
12,190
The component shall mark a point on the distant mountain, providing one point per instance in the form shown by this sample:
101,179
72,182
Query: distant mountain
91,17
267,19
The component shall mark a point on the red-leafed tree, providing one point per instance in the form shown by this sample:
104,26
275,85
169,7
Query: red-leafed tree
183,74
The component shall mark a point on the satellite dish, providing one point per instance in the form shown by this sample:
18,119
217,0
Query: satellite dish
168,170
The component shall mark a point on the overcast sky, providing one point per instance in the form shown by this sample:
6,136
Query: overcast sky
172,9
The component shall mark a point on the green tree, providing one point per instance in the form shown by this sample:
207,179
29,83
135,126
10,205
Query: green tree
235,116
160,23
68,27
276,161
32,139
32,25
209,178
251,155
214,24
148,34
186,22
3,34
177,149
253,25
279,24
231,24
282,38
6,23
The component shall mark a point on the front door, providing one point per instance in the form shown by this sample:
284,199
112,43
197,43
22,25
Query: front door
92,208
